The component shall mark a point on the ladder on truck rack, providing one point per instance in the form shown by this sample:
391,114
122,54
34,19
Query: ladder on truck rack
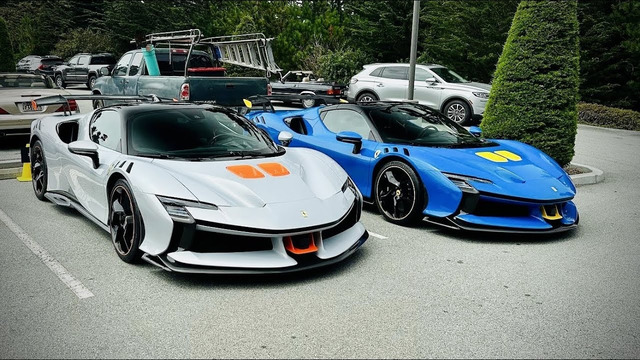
247,50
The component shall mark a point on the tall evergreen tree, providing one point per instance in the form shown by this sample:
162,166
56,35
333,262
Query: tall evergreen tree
535,88
6,55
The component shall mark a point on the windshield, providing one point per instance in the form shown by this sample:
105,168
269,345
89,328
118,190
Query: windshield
196,133
448,75
418,125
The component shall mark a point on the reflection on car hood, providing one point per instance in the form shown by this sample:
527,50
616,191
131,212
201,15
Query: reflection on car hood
213,182
470,86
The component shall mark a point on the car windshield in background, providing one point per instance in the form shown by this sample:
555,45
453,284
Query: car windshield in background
14,81
196,133
448,75
52,61
417,125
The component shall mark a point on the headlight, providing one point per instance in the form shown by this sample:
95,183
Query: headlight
482,95
348,184
353,80
462,182
176,208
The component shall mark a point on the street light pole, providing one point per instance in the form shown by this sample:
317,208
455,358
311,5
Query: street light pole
414,47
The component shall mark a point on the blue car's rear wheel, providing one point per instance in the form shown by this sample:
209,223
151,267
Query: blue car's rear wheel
398,193
125,222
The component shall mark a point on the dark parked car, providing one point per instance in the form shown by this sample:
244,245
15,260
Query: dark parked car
35,64
302,82
83,69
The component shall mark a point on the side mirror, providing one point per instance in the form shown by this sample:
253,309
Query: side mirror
431,80
285,138
351,137
104,71
475,131
85,148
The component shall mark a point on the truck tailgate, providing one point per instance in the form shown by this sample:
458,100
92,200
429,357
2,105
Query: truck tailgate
227,91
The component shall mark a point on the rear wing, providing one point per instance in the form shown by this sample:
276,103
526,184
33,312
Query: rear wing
267,105
64,100
247,50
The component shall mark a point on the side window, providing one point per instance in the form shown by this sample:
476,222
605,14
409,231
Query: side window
377,72
84,60
396,72
73,61
134,69
347,120
106,129
422,75
122,65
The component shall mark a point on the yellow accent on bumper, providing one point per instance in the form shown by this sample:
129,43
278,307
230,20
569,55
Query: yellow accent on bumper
547,216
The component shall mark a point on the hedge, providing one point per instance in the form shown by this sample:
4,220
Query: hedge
6,54
600,115
535,88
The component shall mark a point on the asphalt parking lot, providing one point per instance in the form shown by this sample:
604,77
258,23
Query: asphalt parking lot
408,293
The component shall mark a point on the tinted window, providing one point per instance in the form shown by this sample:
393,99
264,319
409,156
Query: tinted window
396,72
417,125
52,61
84,60
135,64
123,65
8,81
376,72
448,75
103,60
347,120
106,130
74,60
175,64
196,133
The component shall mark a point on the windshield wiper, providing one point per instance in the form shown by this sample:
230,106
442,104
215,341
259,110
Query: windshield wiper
158,156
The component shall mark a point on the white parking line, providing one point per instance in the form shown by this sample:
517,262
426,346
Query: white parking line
72,283
377,235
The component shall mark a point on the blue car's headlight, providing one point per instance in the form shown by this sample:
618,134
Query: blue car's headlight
176,208
482,95
462,182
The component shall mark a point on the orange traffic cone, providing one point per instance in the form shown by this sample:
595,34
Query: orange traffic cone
26,164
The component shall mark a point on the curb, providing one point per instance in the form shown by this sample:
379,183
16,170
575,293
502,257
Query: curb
593,177
10,173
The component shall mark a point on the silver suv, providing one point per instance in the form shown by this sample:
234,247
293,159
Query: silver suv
435,86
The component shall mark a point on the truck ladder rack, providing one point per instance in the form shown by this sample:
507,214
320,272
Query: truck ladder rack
182,37
247,50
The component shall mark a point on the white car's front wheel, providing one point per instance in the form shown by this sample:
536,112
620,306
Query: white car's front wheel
458,111
125,222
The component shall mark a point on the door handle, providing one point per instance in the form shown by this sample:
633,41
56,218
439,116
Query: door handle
380,85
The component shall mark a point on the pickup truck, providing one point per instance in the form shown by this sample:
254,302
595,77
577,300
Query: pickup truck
82,69
187,73
302,82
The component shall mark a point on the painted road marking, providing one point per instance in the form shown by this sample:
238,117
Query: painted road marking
72,283
377,235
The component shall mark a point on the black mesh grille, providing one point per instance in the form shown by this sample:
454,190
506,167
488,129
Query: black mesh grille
487,207
205,242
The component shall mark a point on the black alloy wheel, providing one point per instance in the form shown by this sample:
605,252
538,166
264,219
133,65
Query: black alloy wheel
125,222
38,170
399,194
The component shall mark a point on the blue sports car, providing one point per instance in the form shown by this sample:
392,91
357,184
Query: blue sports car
414,163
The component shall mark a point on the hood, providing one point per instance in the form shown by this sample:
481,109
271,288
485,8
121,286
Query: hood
529,174
215,182
470,86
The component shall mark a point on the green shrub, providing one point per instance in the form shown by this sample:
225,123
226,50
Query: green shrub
600,115
82,40
341,65
6,52
535,88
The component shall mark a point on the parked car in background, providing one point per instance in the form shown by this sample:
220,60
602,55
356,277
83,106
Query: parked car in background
83,69
435,86
35,64
302,82
16,109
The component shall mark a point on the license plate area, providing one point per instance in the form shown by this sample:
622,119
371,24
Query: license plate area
26,107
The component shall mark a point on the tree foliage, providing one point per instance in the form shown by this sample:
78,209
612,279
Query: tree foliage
535,89
6,55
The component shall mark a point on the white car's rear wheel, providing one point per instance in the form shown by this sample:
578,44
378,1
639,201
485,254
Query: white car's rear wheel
38,170
125,222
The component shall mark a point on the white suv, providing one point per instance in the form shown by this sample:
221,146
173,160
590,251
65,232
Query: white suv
435,86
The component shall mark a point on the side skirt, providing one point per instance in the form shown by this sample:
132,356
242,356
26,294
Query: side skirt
63,199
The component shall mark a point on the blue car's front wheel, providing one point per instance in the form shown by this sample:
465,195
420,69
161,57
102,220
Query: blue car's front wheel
398,193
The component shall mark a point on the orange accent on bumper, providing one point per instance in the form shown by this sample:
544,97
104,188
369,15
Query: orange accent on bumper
274,169
288,244
245,171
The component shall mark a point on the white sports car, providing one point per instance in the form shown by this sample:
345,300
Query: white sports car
196,188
